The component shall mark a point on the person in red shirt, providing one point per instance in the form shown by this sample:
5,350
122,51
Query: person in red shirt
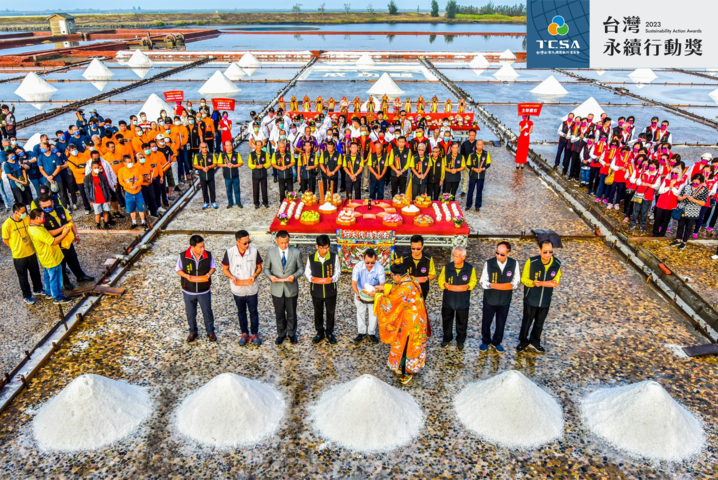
619,166
667,201
97,190
596,152
605,161
647,183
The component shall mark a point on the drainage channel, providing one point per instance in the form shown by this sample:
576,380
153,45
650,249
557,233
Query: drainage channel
14,382
54,70
71,107
700,313
623,91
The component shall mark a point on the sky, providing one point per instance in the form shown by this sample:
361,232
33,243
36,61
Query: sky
278,4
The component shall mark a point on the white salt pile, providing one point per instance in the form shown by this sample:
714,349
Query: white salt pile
642,75
97,70
231,411
714,95
91,412
550,86
479,61
642,419
141,72
234,72
510,410
139,59
365,61
507,73
385,86
100,84
589,106
248,60
367,415
35,89
154,106
32,141
218,84
507,55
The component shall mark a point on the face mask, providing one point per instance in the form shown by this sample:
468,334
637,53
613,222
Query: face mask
590,142
652,168
312,129
446,139
446,124
22,216
329,137
363,134
282,137
664,127
665,150
73,153
168,131
653,124
93,125
583,124
203,104
225,117
147,152
419,134
164,115
54,150
61,137
48,209
134,122
76,134
142,160
569,121
204,115
121,141
635,149
96,170
177,122
11,157
391,129
695,184
143,118
191,122
663,162
43,149
256,129
293,130
620,124
674,175
13,142
162,144
91,148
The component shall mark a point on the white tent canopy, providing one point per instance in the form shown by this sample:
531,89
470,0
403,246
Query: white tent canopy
97,70
248,60
35,89
153,106
506,72
234,72
550,86
643,75
385,86
139,59
365,61
589,106
218,84
479,61
507,55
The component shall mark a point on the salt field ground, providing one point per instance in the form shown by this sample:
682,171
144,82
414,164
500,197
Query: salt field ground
607,327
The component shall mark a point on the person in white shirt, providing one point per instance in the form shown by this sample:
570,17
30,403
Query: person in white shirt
435,138
500,277
268,122
367,273
322,271
355,128
242,264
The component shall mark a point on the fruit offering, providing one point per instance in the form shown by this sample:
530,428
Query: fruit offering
309,199
392,220
423,221
309,218
400,201
422,201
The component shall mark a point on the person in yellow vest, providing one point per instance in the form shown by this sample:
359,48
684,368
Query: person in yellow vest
259,163
204,163
230,161
15,235
283,161
353,167
49,254
331,104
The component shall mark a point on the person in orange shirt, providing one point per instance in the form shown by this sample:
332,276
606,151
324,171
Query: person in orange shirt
148,175
209,132
114,158
138,139
127,133
180,137
159,163
77,162
130,178
123,146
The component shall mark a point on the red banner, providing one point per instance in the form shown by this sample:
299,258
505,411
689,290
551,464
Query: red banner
533,109
223,104
174,96
457,121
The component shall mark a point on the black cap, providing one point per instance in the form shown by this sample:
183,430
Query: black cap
271,110
252,113
398,269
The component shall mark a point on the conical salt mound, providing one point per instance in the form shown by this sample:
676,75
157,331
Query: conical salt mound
643,75
91,412
600,72
478,71
642,419
367,415
231,411
714,95
234,72
97,70
218,84
100,85
35,89
32,141
139,59
507,55
153,106
510,410
506,72
385,86
550,86
479,61
365,61
249,70
141,72
589,106
248,60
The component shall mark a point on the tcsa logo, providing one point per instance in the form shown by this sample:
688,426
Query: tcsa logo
558,27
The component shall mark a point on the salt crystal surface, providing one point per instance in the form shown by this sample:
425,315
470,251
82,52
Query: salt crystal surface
510,410
231,411
367,415
643,420
91,412
506,72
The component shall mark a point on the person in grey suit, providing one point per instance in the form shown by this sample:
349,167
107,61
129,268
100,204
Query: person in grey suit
283,265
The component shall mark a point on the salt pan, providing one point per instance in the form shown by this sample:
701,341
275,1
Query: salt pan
231,411
642,419
510,410
367,415
91,412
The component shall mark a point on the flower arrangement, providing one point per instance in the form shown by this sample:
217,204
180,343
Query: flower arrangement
291,196
283,218
446,197
458,221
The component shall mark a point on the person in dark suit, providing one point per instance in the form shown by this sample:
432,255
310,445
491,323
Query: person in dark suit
283,266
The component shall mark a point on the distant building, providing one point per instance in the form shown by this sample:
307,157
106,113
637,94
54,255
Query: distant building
62,24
